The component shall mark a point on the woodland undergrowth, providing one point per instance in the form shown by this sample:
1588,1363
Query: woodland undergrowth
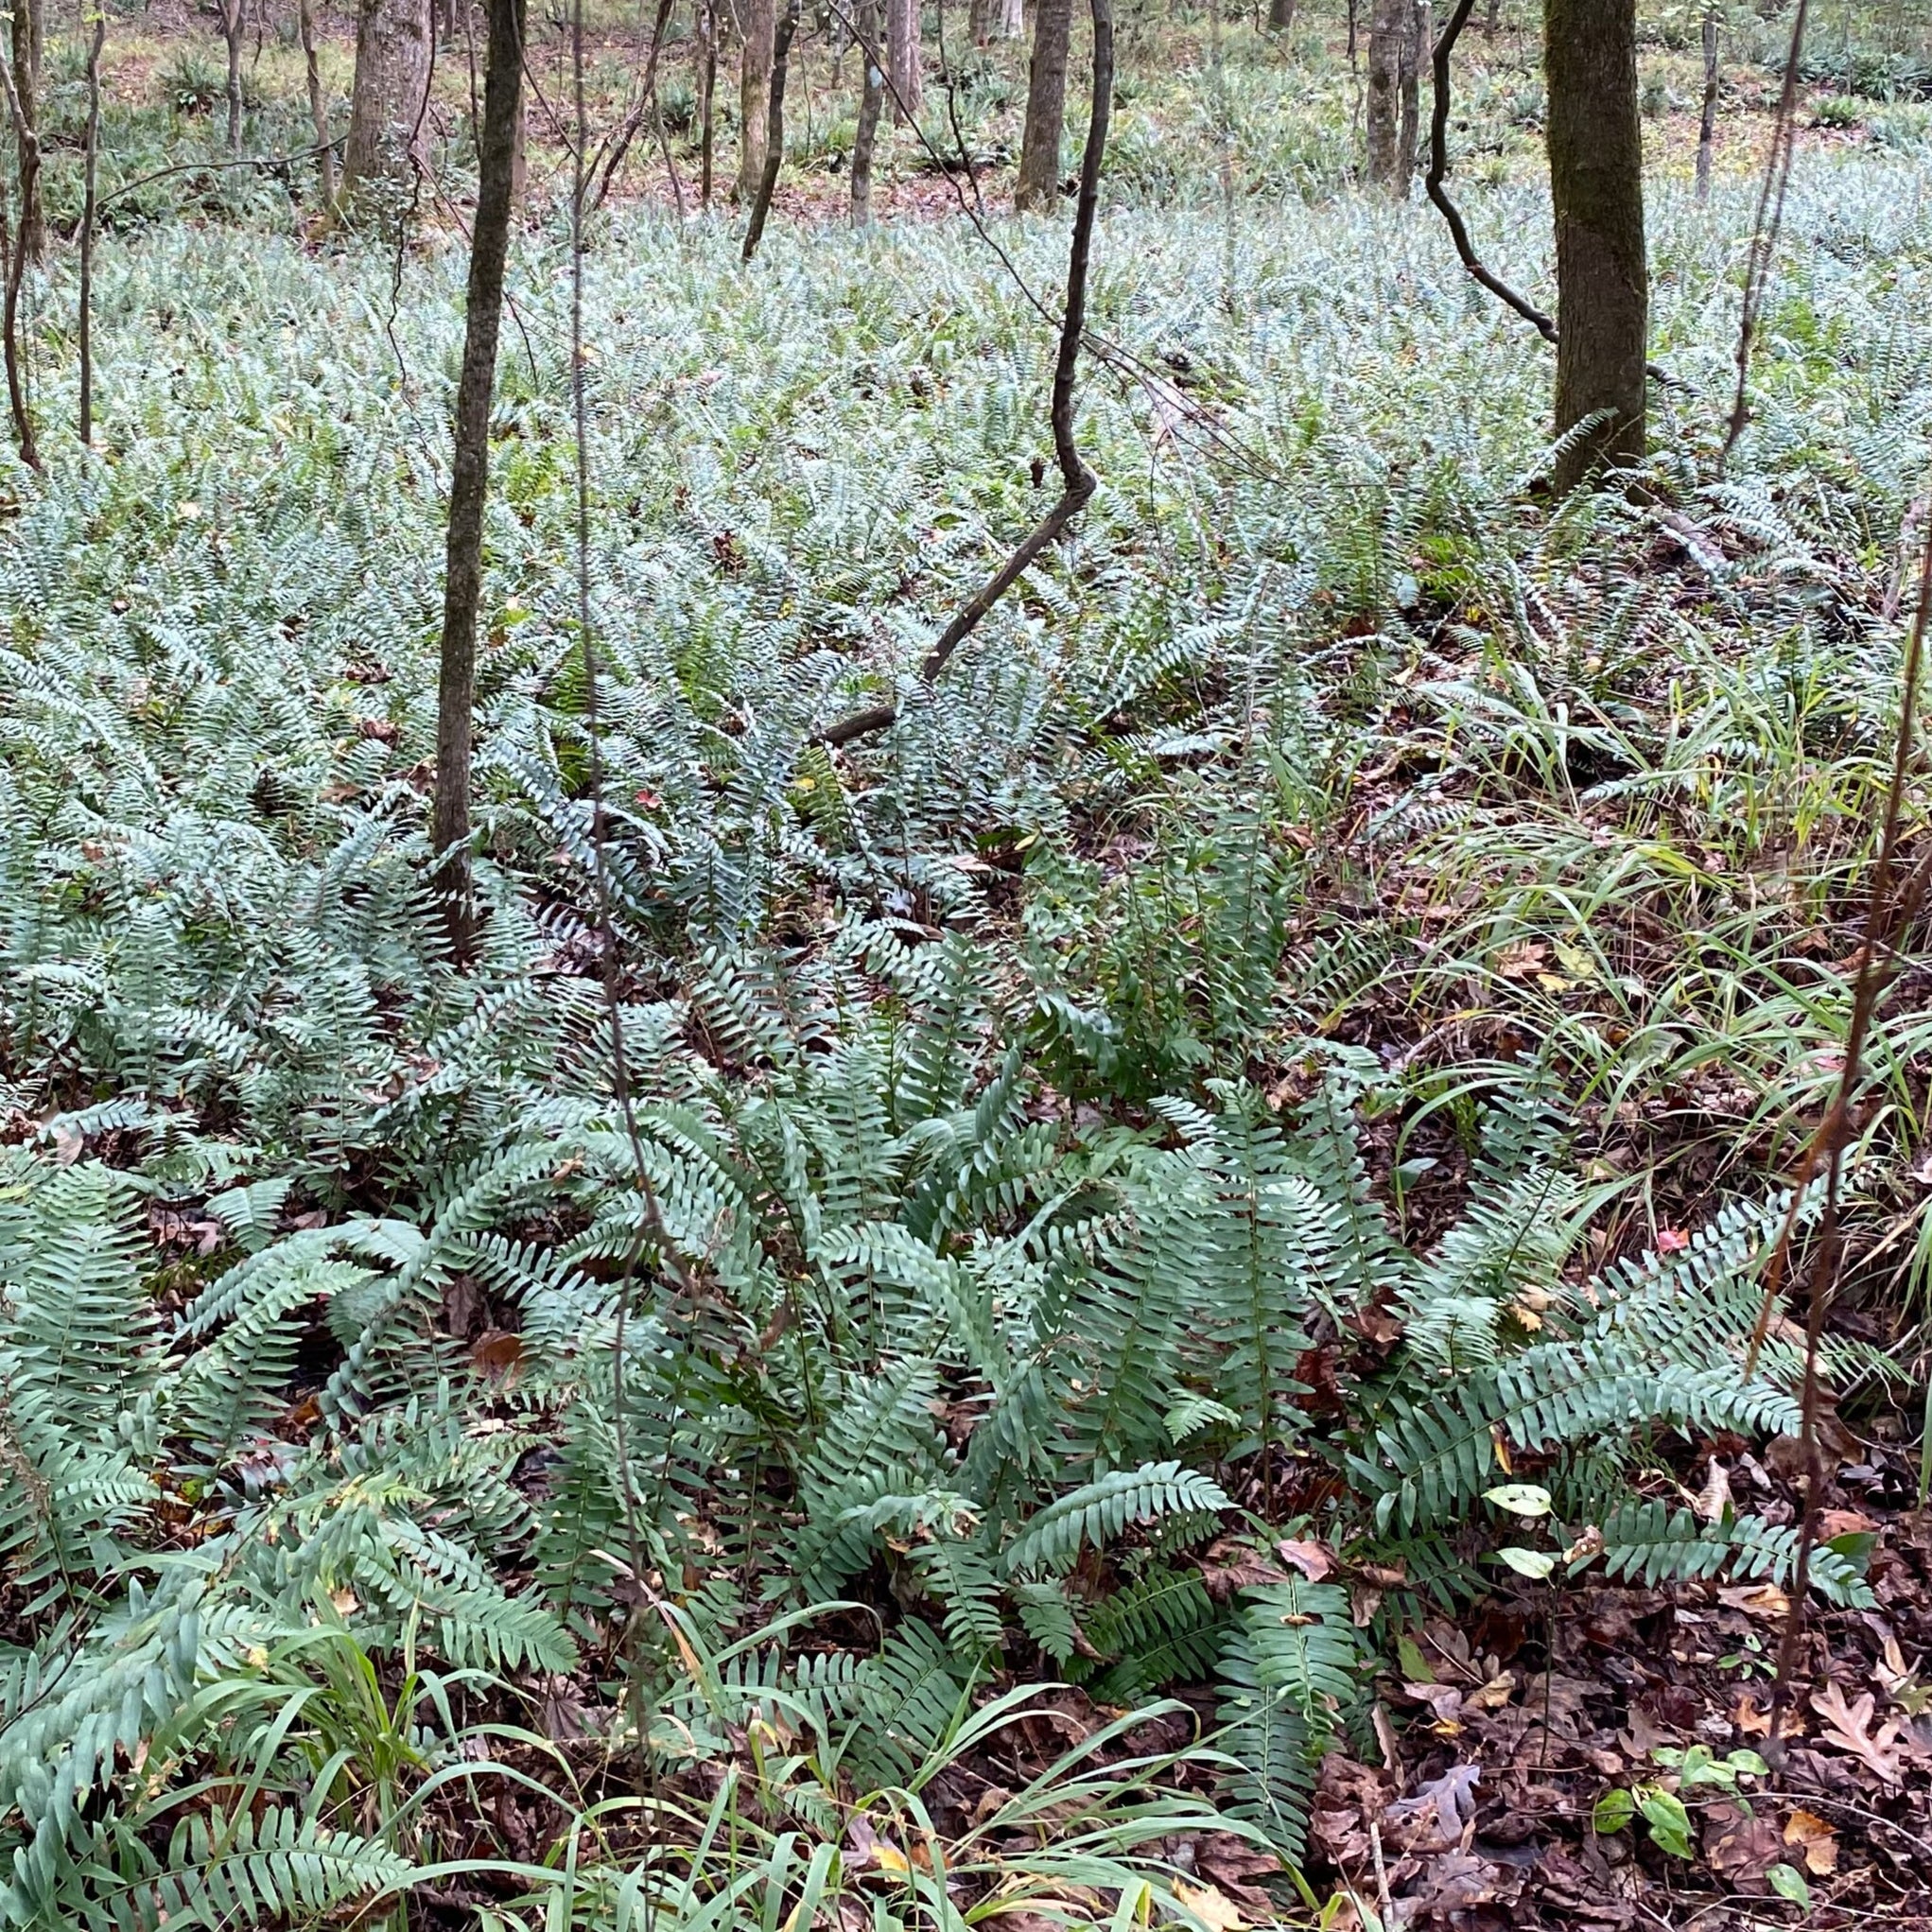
1252,1117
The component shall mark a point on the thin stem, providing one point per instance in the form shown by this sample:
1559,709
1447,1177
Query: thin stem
87,215
1077,481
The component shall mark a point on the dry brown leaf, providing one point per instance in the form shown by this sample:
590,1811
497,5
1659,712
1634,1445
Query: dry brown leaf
1835,1523
1312,1559
1764,1600
1819,1842
1715,1498
1523,959
1210,1906
1849,1727
1494,1695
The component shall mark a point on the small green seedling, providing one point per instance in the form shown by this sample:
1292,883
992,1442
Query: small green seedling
1663,1810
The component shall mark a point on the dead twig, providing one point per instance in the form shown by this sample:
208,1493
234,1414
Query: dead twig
1764,240
1891,914
1077,481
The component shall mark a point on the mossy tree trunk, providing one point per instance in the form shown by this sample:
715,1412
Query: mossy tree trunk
871,99
456,691
386,102
1597,189
1046,106
28,42
903,56
1388,32
758,24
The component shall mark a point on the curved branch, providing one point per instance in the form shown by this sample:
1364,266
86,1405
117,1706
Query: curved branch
1439,167
1077,482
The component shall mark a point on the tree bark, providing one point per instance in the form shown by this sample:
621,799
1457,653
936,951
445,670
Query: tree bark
774,128
1388,31
1596,190
392,41
1707,123
469,476
902,56
317,110
1046,106
1414,52
753,90
708,88
234,31
1011,20
979,17
87,212
28,43
871,99
1281,16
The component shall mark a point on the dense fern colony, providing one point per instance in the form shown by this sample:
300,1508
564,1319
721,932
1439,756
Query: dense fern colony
367,1457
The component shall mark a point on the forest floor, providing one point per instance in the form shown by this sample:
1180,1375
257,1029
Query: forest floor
1327,747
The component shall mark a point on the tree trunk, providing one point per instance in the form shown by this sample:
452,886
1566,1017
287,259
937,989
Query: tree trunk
1414,53
1282,16
708,88
1353,35
1046,106
1493,21
871,99
1011,20
979,18
318,110
902,53
1707,124
1388,32
774,128
753,90
28,42
87,212
1596,190
387,101
469,476
233,30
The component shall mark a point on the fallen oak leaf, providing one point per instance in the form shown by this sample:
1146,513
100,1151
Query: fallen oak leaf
1849,1727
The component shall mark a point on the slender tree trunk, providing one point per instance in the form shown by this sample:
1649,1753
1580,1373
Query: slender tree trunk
1414,52
469,476
87,209
1011,20
1282,16
15,253
979,18
392,41
871,99
753,90
1597,189
1046,106
1388,33
318,110
233,30
1707,123
1354,36
708,88
28,41
774,128
902,53
1493,21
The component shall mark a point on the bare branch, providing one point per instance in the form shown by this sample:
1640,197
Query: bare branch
1076,481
